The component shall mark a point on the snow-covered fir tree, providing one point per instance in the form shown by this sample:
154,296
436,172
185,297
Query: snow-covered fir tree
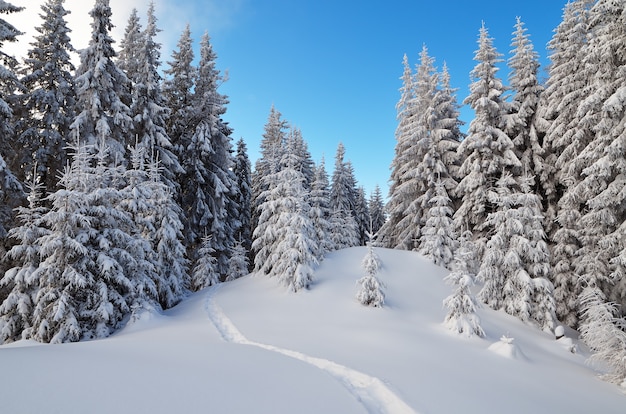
521,120
285,238
238,264
461,304
439,241
344,230
48,104
102,89
178,91
516,262
17,309
562,143
487,151
11,192
243,202
398,203
148,103
371,290
376,206
130,47
171,261
413,178
319,199
209,188
204,272
446,132
362,215
272,148
603,180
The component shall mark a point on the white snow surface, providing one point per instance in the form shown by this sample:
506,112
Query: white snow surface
251,346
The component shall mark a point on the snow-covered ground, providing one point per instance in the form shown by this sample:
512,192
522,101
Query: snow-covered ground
249,346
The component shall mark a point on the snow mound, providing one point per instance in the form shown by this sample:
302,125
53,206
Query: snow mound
507,348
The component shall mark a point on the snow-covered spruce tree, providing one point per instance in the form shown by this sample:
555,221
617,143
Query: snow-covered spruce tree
17,309
398,201
344,231
48,104
521,120
67,272
302,148
243,201
563,141
319,199
446,134
148,104
209,188
371,291
604,331
362,215
439,241
498,263
462,305
11,192
204,272
414,186
178,91
102,89
602,234
286,223
272,148
136,200
130,47
487,151
171,262
376,206
238,265
516,262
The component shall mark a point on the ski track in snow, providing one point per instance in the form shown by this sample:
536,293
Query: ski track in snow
371,392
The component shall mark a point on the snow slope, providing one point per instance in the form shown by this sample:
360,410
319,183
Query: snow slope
250,346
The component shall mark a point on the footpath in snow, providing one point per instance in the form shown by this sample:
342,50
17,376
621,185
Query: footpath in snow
370,391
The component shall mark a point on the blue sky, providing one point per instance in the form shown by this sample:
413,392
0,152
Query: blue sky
331,67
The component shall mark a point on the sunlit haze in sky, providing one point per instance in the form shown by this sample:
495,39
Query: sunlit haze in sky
331,67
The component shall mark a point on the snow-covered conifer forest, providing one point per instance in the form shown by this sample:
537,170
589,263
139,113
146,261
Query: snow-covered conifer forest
123,193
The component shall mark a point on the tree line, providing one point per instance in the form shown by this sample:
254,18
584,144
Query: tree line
530,202
122,190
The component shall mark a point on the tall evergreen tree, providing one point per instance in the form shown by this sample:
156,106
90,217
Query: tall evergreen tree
362,216
320,210
398,203
11,192
130,47
101,89
172,263
209,190
49,100
285,237
378,215
487,151
562,142
243,174
521,120
178,91
17,309
446,132
148,108
439,241
272,147
343,225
